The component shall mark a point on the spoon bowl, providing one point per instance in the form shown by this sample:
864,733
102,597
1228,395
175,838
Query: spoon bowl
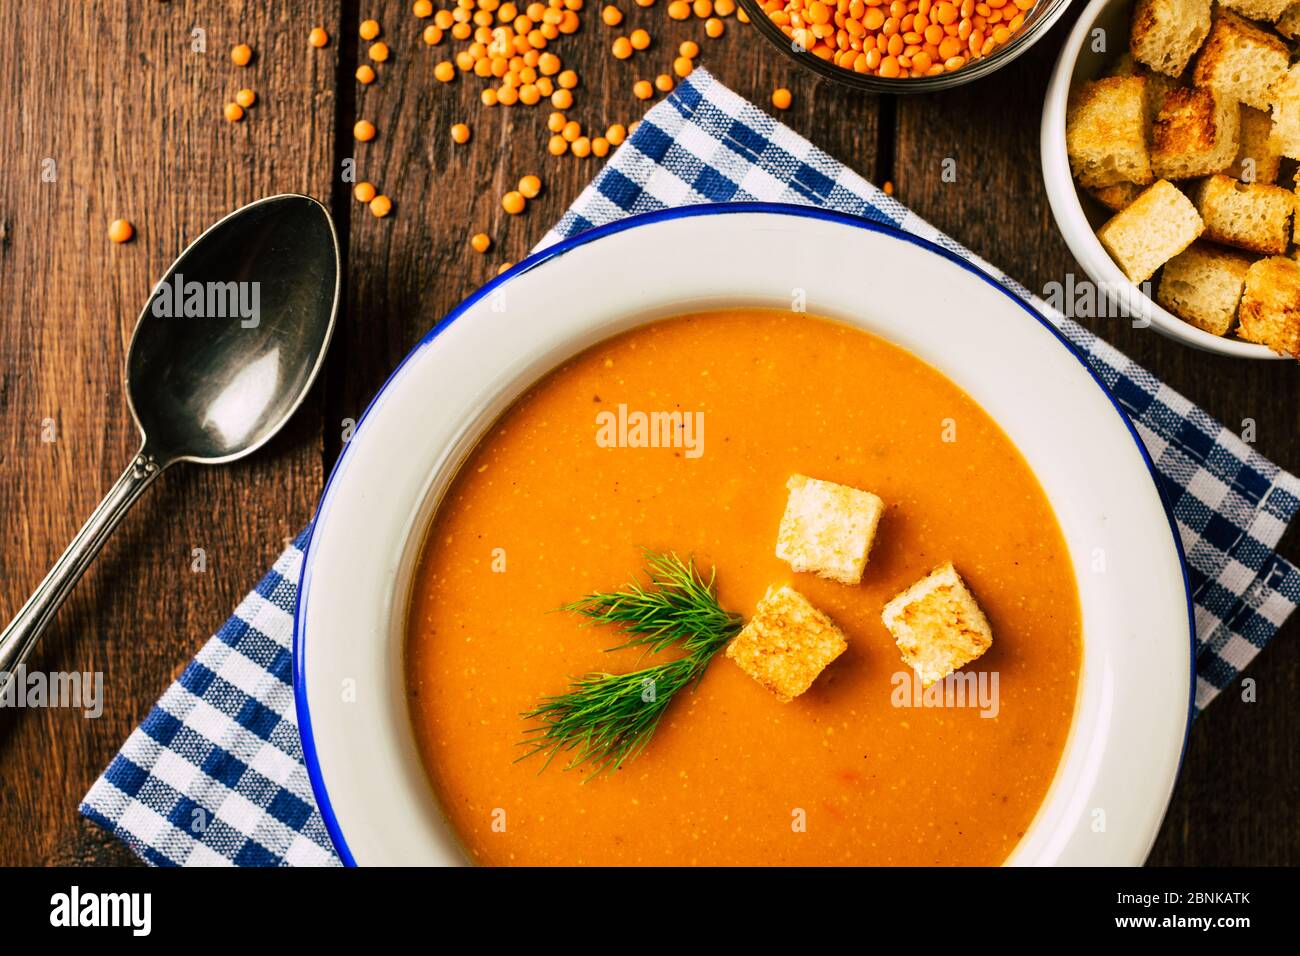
223,353
214,387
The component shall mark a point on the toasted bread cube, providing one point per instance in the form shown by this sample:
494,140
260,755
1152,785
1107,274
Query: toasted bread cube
1123,65
1166,33
1270,305
1241,60
1105,132
938,625
1253,216
828,528
1286,112
1268,10
1157,83
1259,153
1116,197
786,644
1202,285
1295,217
1288,24
1155,227
1196,133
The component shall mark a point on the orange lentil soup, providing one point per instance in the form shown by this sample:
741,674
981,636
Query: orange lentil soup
541,514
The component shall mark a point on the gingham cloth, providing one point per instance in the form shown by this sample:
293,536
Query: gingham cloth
215,775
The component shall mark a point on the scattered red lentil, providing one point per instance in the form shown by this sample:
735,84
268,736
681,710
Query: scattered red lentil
481,242
781,98
245,98
234,112
119,231
241,55
318,37
506,42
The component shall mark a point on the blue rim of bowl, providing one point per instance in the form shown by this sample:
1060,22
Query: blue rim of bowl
559,248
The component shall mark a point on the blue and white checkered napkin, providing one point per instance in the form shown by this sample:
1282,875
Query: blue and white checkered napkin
215,772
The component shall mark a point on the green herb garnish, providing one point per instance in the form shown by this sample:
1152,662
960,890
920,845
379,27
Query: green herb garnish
606,719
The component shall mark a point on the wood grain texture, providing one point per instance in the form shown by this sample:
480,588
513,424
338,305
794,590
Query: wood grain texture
132,118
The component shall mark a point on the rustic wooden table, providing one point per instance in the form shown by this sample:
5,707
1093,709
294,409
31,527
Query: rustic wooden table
112,112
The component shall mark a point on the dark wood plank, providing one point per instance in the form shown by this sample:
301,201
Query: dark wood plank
1236,796
131,117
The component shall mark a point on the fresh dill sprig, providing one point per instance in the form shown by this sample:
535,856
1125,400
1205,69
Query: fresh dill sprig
604,720
677,606
607,719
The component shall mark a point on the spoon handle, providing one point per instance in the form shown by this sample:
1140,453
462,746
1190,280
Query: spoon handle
25,629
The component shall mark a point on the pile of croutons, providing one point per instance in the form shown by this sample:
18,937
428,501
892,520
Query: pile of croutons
828,530
1186,140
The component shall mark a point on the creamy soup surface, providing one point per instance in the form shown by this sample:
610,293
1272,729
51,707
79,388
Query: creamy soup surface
841,775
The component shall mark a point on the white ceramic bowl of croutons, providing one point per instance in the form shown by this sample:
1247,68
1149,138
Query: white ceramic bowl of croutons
1099,38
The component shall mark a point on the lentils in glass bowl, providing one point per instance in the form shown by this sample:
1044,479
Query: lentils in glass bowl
903,46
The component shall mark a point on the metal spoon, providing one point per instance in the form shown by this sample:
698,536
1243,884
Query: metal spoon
221,356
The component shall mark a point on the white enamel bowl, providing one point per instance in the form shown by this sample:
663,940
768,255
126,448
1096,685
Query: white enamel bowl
1077,214
1123,752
